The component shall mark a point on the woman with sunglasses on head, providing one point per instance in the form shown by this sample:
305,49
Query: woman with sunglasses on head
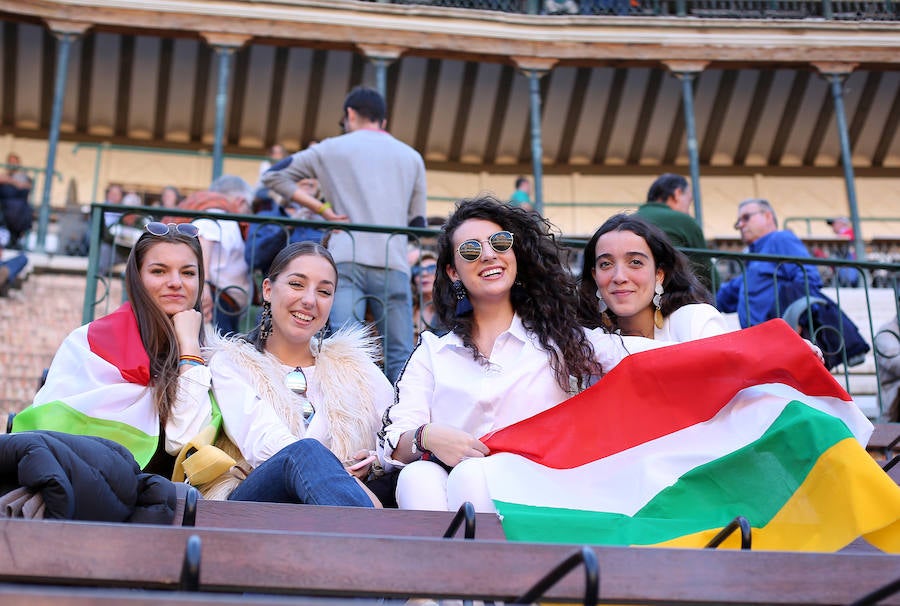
136,376
297,405
635,282
424,316
515,349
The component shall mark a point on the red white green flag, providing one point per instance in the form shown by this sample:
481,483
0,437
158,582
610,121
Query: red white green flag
675,442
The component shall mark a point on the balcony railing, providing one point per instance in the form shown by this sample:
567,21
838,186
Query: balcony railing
885,10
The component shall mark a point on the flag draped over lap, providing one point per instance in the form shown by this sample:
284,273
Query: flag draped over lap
675,442
99,386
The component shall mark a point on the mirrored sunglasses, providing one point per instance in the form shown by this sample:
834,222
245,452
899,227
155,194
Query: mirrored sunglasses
296,382
164,229
470,250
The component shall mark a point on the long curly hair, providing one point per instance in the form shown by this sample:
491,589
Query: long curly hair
681,287
543,296
156,328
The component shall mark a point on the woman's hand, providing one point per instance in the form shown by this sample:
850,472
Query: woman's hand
360,464
451,445
816,350
187,331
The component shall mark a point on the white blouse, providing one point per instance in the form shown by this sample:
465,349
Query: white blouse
443,383
692,322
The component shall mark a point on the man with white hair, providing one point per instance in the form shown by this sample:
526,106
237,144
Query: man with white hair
227,291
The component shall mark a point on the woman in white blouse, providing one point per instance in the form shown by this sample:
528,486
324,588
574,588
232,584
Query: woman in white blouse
633,281
514,349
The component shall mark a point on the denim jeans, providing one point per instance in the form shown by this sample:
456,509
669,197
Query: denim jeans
362,284
303,472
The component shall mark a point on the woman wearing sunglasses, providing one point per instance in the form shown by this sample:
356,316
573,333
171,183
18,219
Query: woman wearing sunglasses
136,376
424,317
297,405
514,349
634,281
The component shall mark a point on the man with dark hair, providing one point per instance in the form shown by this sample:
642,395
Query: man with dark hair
371,178
668,206
522,195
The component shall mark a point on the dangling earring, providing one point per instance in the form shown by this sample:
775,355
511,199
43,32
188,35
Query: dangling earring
601,304
315,344
657,298
463,305
265,321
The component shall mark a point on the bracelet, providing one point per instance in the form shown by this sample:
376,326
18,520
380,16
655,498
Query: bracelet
325,206
191,360
417,440
190,363
422,440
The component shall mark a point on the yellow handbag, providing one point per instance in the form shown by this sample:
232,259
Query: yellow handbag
199,461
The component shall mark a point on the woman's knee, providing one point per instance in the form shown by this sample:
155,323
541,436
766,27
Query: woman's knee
467,482
422,485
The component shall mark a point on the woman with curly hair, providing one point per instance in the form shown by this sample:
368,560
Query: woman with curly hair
514,349
635,282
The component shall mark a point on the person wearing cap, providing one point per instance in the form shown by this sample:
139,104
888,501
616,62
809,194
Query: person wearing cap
371,178
846,276
226,292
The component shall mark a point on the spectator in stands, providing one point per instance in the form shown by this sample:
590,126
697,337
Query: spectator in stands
887,354
634,281
277,153
136,375
755,299
10,268
522,194
15,187
170,197
284,392
515,349
109,256
371,178
668,207
846,276
226,294
264,240
424,316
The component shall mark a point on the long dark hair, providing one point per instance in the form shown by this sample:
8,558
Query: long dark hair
156,328
544,295
680,284
279,263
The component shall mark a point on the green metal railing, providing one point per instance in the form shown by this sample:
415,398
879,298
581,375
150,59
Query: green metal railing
727,263
808,221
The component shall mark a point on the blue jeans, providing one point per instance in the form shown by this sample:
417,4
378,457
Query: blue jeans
362,284
303,472
16,265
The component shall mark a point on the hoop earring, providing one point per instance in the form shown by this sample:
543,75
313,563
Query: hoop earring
463,304
601,304
265,321
657,298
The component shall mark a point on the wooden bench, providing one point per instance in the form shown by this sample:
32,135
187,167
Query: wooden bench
340,520
323,564
885,440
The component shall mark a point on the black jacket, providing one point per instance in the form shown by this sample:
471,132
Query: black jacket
84,478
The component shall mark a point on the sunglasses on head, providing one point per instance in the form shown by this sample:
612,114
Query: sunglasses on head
471,250
164,229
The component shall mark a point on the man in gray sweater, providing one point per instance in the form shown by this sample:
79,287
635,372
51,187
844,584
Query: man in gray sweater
372,178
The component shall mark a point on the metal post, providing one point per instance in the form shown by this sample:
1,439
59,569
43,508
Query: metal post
224,54
381,66
537,150
687,91
59,89
837,92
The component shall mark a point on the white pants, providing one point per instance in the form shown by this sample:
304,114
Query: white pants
426,485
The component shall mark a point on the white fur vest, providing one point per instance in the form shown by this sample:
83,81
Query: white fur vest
340,390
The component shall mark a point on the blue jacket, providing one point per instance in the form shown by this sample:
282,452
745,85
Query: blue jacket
759,290
264,240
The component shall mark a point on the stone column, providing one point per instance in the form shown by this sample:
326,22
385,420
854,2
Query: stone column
381,56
